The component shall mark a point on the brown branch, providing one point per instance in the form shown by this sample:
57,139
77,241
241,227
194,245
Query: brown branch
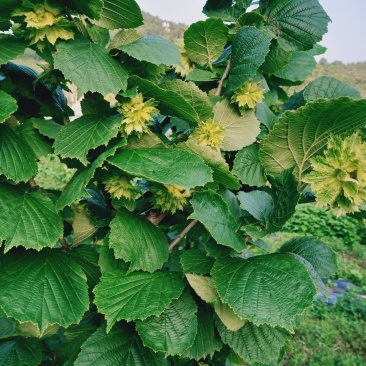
32,183
65,245
156,217
182,234
221,82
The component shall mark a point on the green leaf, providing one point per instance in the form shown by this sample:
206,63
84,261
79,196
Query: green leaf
215,161
299,23
121,347
36,142
268,289
266,116
135,239
123,37
329,88
20,351
153,49
10,48
8,105
250,49
201,75
203,286
196,261
107,262
47,127
211,210
120,14
91,8
321,257
76,187
302,134
228,10
248,168
300,66
240,130
85,133
259,204
82,227
276,59
43,288
227,315
206,341
174,330
137,295
17,160
28,219
160,165
204,41
90,67
261,344
177,98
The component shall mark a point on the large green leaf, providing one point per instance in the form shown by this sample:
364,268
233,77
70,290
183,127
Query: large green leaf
120,14
266,116
259,204
28,219
135,239
269,289
215,161
300,66
207,342
123,37
167,166
204,41
85,133
47,127
173,331
90,67
76,187
302,134
276,59
329,88
253,343
8,105
91,8
299,23
17,160
153,49
20,351
10,48
250,47
228,10
178,99
120,347
196,261
211,210
248,168
321,257
137,295
240,130
43,288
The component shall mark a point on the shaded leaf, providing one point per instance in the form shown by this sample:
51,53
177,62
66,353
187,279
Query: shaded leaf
174,330
91,8
11,48
8,105
20,351
47,282
196,261
266,116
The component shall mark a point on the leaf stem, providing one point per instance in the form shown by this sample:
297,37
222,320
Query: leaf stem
182,234
221,82
156,217
65,245
32,183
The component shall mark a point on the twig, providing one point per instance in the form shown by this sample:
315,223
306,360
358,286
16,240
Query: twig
221,82
156,217
32,183
65,245
182,234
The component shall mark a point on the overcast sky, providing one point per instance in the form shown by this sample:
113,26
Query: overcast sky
346,39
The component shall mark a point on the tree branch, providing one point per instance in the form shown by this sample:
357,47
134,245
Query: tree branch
32,183
182,234
156,217
65,245
221,82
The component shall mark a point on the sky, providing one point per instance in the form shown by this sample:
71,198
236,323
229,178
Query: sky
345,40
